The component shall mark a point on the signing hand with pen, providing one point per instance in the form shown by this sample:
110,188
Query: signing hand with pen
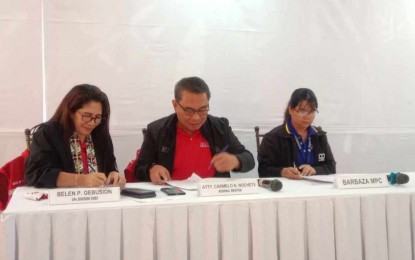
225,162
159,174
291,173
93,179
115,178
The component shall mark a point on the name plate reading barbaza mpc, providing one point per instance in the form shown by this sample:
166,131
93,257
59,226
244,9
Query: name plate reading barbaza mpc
83,195
358,181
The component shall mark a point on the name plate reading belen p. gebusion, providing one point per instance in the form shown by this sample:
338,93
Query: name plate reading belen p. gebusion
219,187
356,181
83,195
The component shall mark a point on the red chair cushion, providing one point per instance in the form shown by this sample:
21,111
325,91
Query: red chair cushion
12,175
129,171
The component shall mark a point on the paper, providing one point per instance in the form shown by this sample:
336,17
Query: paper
190,183
320,178
35,195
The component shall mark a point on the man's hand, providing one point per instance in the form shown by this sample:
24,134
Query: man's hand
225,162
159,174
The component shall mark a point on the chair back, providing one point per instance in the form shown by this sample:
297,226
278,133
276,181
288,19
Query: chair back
129,171
258,137
29,135
4,193
12,177
12,173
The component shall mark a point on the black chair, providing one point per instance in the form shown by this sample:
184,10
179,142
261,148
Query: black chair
257,137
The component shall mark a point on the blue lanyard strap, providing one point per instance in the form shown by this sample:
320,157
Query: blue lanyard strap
304,148
305,154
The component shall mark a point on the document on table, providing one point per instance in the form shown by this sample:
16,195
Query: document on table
190,183
320,178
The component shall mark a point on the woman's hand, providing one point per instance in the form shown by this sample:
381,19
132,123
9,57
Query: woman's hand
291,173
94,179
116,179
307,170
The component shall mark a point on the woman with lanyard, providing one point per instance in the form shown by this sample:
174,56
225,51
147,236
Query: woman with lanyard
74,148
296,148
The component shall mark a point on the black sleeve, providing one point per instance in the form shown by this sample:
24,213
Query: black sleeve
110,162
244,156
267,154
148,156
43,164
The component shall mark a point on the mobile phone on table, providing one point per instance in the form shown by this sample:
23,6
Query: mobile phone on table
171,191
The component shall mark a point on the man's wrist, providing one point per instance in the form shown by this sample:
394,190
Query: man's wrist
150,166
237,164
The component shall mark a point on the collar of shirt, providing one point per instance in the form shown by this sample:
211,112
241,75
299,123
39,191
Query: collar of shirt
183,133
291,130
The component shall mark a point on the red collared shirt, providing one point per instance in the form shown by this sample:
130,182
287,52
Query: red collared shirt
192,155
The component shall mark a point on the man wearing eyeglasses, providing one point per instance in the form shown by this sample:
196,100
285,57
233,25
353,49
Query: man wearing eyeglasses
190,140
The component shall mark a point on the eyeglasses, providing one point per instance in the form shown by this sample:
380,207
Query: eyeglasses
88,118
190,111
303,112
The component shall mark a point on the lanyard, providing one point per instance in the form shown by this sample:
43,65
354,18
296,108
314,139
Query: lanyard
305,154
304,149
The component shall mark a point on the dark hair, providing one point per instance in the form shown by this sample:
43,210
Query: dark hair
191,84
77,97
300,95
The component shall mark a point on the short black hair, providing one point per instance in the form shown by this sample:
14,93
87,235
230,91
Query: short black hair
299,95
191,84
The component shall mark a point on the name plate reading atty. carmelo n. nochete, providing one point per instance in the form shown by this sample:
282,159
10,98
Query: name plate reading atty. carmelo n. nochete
83,195
358,181
220,186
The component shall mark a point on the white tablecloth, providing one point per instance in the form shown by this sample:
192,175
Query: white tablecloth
305,220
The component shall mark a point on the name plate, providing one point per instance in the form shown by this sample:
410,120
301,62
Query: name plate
83,195
220,187
357,181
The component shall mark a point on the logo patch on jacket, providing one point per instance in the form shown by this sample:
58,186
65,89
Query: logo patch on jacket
165,149
321,157
204,144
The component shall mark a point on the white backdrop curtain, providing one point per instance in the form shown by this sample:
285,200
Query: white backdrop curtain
358,56
21,81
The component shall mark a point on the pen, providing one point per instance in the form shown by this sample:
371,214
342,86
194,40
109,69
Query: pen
93,170
92,167
224,149
295,166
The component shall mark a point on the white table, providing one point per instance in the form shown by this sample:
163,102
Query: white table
305,220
